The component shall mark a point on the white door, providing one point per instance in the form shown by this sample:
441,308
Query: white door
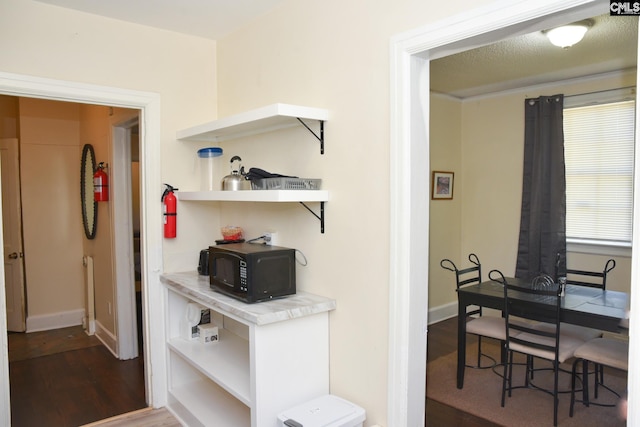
12,229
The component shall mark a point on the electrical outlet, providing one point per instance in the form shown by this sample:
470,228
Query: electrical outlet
270,238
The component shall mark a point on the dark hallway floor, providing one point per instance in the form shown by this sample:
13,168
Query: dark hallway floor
65,378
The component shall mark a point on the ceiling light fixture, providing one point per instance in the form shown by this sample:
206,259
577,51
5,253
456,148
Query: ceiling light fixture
568,35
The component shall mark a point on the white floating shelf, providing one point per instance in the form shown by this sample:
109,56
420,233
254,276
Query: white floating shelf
265,119
256,196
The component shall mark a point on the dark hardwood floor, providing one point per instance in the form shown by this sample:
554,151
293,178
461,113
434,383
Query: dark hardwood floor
66,378
443,339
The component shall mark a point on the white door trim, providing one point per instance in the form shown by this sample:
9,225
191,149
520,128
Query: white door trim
409,164
123,256
151,246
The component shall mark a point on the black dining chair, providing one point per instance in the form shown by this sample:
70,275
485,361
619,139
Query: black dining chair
611,352
477,324
592,279
523,337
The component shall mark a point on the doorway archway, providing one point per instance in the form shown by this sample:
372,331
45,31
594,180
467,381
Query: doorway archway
149,105
411,53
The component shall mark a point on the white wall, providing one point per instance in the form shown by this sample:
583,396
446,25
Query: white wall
131,64
445,216
94,130
52,232
334,56
47,41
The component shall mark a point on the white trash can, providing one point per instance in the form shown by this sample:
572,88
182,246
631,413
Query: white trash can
325,411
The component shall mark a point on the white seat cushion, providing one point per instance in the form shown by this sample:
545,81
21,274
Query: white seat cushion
605,351
568,330
567,346
490,326
487,326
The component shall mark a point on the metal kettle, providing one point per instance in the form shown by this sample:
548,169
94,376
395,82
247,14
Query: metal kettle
236,180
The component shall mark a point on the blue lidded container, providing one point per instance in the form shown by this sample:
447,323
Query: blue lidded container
207,164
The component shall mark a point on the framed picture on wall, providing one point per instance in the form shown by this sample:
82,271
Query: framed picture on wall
442,185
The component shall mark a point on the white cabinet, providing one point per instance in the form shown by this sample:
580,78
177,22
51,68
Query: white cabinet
266,119
271,355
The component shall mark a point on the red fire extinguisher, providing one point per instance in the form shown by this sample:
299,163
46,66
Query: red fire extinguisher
170,212
100,184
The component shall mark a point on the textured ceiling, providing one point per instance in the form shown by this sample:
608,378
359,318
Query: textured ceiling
610,45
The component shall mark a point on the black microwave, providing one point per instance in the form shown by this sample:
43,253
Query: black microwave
252,272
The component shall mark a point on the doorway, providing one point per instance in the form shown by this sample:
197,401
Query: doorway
410,56
43,190
149,106
64,158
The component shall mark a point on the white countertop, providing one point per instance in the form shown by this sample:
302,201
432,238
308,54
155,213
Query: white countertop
299,305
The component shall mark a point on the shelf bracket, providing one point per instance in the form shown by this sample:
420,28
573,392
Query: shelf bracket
320,217
318,137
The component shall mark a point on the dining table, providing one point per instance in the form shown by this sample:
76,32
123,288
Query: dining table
580,305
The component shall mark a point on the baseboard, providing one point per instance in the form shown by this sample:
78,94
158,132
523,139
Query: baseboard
47,322
107,338
442,312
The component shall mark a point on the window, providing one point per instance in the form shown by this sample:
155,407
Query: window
599,158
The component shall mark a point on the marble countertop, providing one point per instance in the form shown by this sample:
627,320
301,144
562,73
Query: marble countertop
299,305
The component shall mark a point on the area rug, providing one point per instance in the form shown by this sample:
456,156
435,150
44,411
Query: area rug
526,407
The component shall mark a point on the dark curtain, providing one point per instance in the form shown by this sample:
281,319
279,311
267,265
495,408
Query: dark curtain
542,244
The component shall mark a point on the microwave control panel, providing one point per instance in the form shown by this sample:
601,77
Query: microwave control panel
243,276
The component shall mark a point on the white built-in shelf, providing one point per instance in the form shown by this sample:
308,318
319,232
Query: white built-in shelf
225,364
256,196
270,356
202,401
260,120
